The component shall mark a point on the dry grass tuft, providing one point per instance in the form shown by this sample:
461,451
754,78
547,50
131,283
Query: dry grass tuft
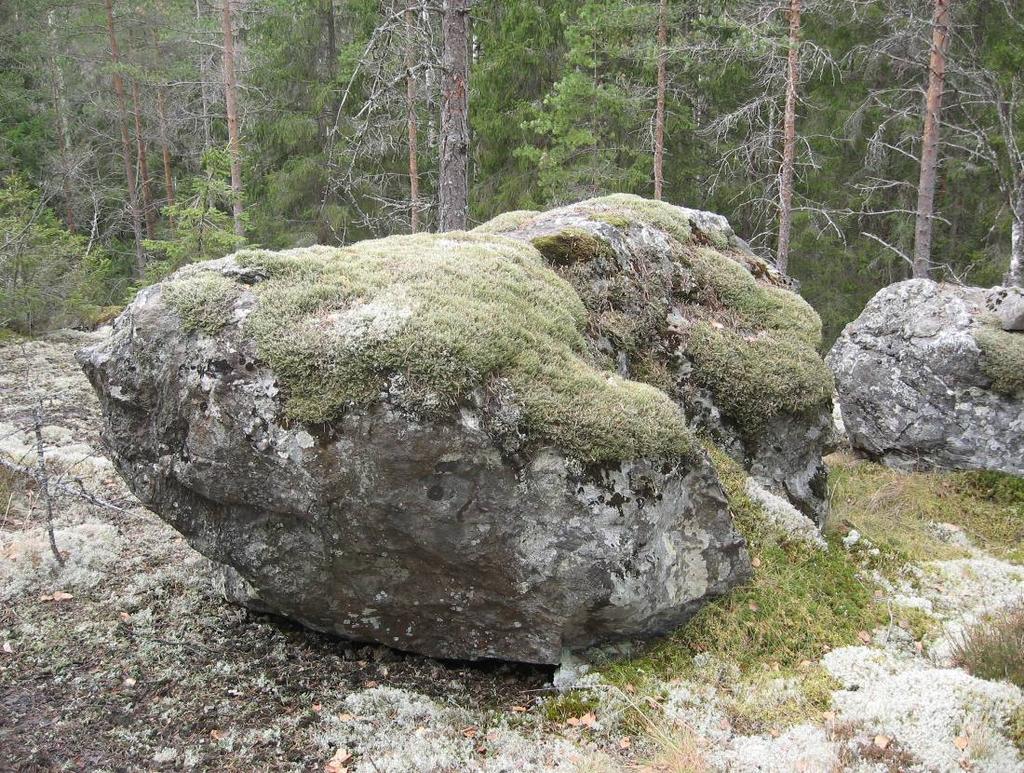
994,648
897,511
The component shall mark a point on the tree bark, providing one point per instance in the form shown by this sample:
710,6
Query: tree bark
61,111
204,99
140,150
126,153
930,140
410,110
231,103
788,168
453,171
165,150
659,108
1015,276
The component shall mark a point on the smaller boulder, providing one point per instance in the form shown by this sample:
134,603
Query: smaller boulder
1007,304
929,376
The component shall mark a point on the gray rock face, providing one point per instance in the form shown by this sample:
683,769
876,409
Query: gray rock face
912,383
635,267
424,534
1007,304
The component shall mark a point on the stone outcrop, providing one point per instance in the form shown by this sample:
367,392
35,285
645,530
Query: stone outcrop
471,445
932,376
676,299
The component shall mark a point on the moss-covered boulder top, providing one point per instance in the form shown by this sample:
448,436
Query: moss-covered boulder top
426,322
676,300
660,282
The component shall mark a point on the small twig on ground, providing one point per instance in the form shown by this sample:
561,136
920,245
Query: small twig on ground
44,481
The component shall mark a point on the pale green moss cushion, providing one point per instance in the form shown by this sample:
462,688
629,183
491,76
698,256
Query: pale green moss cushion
445,314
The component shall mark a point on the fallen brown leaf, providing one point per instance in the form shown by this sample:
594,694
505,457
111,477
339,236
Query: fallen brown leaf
337,763
589,719
470,732
519,709
624,742
864,636
961,742
346,717
882,742
216,735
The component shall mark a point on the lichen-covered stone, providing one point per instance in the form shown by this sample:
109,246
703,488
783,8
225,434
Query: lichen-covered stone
927,378
408,441
675,299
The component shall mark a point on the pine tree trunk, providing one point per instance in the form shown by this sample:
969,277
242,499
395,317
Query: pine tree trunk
453,169
126,153
165,150
930,140
203,78
231,103
659,109
410,111
788,169
1015,276
140,150
61,112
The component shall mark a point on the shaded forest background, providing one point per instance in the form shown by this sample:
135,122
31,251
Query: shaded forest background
562,106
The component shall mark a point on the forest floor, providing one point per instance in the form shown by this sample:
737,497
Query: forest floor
126,657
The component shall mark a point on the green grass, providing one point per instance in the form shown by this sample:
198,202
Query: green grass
800,602
895,510
565,706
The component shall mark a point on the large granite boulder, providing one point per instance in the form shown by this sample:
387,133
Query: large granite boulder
675,299
471,445
928,378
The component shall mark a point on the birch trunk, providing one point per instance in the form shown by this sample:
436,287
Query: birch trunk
659,108
231,107
1015,276
453,171
788,168
930,140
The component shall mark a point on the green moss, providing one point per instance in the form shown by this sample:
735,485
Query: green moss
659,214
506,221
800,602
1002,358
202,299
755,377
560,708
614,219
761,306
571,245
442,314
